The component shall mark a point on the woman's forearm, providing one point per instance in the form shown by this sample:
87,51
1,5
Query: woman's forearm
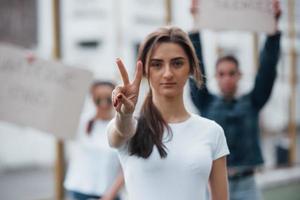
125,125
122,129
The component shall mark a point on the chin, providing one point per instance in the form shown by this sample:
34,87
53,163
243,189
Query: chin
170,94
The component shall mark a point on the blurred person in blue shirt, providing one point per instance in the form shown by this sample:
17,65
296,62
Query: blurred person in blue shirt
239,116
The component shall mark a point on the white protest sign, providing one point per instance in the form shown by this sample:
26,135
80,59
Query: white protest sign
249,15
45,95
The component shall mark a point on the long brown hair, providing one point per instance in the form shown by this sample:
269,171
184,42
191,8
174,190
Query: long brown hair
151,124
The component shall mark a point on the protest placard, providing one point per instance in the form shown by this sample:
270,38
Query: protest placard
249,15
45,95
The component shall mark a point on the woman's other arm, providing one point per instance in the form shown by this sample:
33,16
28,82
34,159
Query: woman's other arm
218,180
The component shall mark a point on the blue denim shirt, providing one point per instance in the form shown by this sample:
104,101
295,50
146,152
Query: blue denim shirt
239,117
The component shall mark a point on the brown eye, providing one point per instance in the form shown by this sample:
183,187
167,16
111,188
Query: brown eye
155,64
232,73
177,63
97,101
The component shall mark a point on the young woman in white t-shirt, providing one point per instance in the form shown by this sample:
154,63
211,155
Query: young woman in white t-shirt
94,170
166,153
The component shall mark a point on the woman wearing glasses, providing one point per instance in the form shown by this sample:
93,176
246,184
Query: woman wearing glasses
94,169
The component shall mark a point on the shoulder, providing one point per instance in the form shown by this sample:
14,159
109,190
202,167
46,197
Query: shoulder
204,122
208,126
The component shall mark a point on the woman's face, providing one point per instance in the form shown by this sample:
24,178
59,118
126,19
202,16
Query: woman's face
102,98
169,69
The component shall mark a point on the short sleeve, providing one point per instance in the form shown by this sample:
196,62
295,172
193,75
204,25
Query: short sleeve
220,148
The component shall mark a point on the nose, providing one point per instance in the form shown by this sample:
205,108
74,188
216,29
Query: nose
226,78
168,72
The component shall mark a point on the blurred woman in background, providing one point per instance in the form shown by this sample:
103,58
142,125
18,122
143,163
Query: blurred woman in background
94,170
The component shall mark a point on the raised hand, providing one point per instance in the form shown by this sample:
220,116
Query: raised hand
277,11
194,10
124,97
194,7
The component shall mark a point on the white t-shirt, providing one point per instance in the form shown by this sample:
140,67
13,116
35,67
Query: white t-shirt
94,165
184,173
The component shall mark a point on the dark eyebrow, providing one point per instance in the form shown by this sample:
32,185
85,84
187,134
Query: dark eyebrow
173,59
177,58
156,60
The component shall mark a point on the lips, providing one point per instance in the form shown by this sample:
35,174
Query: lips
168,84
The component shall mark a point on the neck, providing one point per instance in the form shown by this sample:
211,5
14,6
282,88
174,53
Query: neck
172,109
103,115
229,96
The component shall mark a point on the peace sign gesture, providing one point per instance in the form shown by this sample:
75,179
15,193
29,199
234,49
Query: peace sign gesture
124,97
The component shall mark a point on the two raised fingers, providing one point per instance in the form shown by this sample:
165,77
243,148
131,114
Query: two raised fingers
119,94
124,75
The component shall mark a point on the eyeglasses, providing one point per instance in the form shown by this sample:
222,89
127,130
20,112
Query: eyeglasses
99,101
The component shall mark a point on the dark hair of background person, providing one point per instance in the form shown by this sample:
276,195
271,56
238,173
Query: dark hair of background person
91,122
229,58
151,124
